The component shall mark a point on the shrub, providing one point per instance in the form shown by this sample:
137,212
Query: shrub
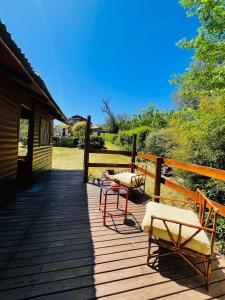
78,129
109,137
160,143
66,142
81,142
96,142
125,137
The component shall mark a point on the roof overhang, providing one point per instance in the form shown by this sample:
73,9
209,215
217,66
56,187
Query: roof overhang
16,66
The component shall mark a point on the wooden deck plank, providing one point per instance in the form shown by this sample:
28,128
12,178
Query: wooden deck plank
54,246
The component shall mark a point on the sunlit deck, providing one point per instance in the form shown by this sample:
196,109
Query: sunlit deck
54,246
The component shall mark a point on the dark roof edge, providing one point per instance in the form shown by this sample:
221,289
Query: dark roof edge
16,51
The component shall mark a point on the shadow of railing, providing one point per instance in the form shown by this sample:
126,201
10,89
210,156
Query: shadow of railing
46,242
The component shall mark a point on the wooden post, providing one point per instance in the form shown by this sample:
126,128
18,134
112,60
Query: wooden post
158,166
87,148
134,151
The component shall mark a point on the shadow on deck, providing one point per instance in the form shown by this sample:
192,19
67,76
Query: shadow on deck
53,246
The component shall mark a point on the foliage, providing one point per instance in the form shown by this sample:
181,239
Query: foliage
109,137
199,137
111,123
220,228
122,121
96,142
23,130
78,129
66,142
206,74
124,138
150,116
160,143
23,137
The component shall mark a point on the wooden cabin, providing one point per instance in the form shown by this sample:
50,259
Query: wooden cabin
27,111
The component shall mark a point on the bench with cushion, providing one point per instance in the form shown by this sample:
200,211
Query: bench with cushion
131,180
183,231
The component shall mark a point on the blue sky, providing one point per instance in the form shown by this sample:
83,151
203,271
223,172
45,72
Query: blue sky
87,50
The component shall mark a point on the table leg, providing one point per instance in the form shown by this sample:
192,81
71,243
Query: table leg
126,206
100,199
118,199
104,212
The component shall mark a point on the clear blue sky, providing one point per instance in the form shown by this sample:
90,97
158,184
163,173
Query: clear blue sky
86,50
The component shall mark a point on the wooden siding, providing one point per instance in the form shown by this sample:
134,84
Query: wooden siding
42,155
11,99
9,112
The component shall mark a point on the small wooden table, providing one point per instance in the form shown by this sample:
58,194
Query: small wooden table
106,190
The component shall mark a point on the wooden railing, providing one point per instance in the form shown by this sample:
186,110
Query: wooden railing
201,170
157,175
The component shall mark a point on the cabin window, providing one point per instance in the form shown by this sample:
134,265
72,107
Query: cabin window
23,137
44,132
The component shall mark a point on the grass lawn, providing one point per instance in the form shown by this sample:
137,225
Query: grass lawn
72,159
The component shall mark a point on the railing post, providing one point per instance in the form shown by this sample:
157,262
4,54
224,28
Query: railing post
134,152
87,148
158,166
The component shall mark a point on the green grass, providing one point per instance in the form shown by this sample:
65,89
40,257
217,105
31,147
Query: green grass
72,159
67,158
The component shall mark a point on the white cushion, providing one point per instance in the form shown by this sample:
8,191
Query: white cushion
199,242
126,179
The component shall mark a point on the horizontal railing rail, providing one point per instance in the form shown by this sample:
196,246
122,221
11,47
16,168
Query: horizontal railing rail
201,170
106,151
109,165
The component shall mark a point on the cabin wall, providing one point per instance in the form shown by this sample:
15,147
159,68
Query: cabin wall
9,116
11,99
42,155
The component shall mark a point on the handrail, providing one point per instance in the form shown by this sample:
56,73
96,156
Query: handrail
201,170
147,156
106,151
109,165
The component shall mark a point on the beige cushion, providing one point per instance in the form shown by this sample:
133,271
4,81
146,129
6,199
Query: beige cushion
199,242
125,179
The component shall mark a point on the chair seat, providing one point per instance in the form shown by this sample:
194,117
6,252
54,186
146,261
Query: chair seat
125,179
199,242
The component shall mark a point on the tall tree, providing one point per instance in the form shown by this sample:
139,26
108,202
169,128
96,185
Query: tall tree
206,74
111,123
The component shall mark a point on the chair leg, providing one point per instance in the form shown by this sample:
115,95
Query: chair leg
149,249
118,198
207,264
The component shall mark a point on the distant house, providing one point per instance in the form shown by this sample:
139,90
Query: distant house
26,123
61,132
75,119
96,129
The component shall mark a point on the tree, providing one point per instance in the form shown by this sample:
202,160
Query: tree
78,129
123,121
205,76
150,116
111,123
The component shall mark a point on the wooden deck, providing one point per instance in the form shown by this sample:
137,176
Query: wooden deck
53,246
